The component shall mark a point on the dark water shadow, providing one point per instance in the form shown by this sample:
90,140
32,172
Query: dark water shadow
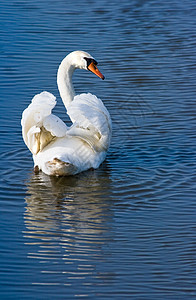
68,219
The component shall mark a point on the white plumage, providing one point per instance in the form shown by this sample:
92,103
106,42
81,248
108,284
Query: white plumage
56,148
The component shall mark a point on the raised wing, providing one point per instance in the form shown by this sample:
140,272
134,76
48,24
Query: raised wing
91,121
39,126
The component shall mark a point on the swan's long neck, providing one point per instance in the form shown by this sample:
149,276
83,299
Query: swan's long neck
64,81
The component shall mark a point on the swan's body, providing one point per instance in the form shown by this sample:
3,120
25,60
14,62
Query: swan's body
56,148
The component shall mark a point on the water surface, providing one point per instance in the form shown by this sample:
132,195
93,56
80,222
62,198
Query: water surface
126,230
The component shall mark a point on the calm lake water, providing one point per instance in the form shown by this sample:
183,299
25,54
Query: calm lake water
128,229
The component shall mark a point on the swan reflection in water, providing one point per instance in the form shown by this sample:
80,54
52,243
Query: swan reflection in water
68,219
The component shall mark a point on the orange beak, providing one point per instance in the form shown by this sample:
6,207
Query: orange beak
93,68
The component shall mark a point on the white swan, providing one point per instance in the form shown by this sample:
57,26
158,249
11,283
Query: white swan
58,149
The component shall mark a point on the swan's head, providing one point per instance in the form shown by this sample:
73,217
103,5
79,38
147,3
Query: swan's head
83,60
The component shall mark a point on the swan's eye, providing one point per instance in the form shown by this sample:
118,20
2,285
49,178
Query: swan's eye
90,60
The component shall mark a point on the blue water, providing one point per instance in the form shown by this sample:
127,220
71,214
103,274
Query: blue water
128,229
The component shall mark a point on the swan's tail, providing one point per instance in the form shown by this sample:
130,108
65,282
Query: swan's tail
57,167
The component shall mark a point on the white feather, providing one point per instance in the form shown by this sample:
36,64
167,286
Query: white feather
57,149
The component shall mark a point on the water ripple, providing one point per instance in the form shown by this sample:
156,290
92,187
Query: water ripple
128,228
